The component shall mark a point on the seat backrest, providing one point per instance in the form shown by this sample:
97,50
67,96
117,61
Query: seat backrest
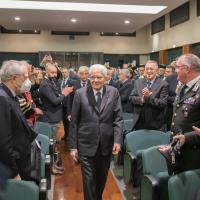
143,139
44,143
43,128
128,125
153,162
184,186
21,190
127,116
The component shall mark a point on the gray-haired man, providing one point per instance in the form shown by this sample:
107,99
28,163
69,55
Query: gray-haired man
97,130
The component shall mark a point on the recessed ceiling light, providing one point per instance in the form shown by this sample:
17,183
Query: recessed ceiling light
74,20
89,7
17,18
127,22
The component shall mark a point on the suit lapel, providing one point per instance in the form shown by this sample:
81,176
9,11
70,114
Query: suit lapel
91,99
154,85
104,98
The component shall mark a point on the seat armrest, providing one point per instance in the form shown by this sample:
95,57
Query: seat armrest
43,189
149,188
129,164
48,171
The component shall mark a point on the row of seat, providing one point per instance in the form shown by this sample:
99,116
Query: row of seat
19,190
144,166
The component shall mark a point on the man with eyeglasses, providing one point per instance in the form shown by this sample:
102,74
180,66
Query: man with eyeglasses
186,115
96,131
16,135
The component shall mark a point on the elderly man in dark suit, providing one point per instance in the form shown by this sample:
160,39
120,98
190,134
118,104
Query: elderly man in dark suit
97,131
16,135
125,88
149,99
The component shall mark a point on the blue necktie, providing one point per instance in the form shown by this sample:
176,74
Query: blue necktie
148,84
98,94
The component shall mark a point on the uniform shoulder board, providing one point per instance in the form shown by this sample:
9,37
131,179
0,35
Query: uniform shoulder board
197,86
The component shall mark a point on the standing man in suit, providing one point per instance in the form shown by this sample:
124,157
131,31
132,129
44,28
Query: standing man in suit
125,88
52,106
149,99
97,131
83,81
66,81
16,135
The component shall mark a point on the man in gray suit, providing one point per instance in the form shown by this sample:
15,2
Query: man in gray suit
96,131
149,98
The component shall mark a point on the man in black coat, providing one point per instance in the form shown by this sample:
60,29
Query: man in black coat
149,99
16,135
52,99
125,88
83,81
97,131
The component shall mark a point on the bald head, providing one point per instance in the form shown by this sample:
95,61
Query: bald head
51,71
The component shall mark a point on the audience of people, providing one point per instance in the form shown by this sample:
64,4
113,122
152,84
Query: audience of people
90,105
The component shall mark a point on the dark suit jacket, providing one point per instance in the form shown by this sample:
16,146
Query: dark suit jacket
113,83
16,135
125,91
151,114
69,83
77,85
52,99
172,84
92,127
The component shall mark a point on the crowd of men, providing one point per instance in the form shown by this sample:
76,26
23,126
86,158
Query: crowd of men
90,105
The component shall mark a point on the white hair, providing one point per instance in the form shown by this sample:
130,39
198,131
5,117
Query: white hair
100,68
126,72
83,69
152,62
10,68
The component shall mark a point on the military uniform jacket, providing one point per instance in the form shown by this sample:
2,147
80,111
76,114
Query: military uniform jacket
186,110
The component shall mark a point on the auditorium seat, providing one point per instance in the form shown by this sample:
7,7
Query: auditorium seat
127,116
45,158
21,190
155,175
184,186
136,142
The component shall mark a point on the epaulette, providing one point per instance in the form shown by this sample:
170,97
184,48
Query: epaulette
197,86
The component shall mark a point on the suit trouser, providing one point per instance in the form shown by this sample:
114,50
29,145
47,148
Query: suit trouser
94,173
65,123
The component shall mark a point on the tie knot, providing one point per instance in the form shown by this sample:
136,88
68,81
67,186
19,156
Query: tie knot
98,94
148,84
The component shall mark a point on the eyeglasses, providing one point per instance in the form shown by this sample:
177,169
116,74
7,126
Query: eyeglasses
96,78
181,66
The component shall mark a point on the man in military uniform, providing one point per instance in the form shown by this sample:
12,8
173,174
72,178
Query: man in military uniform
187,112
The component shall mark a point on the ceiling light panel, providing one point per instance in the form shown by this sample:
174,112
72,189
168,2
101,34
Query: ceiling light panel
88,7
